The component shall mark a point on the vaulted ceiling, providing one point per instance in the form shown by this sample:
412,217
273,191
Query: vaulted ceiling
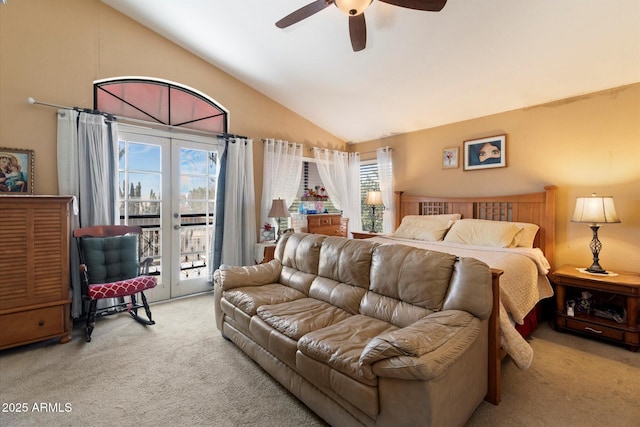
419,69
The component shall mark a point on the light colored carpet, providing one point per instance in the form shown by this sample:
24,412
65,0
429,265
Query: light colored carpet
182,372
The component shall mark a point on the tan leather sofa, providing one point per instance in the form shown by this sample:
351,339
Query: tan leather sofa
363,333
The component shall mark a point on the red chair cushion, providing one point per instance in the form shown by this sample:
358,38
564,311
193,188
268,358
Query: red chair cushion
122,288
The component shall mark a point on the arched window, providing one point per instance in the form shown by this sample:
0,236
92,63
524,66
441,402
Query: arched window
160,101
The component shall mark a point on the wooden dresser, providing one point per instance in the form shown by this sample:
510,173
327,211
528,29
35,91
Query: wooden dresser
329,224
34,261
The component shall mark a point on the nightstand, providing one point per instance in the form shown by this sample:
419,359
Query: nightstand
365,234
265,252
612,297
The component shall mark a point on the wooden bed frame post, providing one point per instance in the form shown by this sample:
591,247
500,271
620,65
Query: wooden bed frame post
398,207
550,225
494,358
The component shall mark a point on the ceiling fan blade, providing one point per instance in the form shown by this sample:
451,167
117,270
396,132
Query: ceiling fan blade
428,5
358,32
303,12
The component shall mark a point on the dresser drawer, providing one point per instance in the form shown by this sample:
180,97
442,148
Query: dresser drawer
329,230
31,325
595,330
323,220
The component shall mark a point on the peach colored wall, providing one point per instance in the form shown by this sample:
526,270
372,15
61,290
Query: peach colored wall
583,145
53,51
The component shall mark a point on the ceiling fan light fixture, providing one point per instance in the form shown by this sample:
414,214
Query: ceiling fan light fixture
352,7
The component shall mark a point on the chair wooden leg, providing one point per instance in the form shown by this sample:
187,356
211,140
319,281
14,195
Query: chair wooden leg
134,312
91,319
146,307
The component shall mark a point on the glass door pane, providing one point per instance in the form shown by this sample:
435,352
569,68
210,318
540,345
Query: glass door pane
142,188
193,213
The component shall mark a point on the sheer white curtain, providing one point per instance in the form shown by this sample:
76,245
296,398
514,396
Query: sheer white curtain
340,174
235,230
87,159
385,175
281,174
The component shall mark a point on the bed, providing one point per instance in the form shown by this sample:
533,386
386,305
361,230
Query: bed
523,282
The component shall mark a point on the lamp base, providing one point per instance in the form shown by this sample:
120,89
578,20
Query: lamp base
595,247
595,268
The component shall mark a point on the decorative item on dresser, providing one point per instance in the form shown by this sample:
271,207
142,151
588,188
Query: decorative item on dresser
16,171
328,224
599,305
34,289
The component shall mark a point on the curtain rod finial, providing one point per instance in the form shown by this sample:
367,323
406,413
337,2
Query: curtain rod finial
30,100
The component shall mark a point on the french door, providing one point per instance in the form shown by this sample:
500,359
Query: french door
167,185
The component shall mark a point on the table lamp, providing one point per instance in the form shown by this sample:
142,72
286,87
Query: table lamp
374,198
278,210
595,211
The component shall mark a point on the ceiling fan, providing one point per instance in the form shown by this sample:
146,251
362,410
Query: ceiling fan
355,10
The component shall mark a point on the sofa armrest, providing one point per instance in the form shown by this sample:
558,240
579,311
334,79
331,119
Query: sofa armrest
423,350
229,277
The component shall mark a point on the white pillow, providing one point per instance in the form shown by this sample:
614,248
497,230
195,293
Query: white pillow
431,228
525,237
482,232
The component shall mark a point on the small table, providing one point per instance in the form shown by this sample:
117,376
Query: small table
621,291
365,234
265,251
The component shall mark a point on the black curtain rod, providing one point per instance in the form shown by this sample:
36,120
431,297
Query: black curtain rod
113,117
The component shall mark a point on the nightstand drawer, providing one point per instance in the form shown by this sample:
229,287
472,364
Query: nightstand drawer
31,325
595,330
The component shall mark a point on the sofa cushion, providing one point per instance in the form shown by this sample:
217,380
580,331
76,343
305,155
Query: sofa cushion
424,350
300,251
250,298
347,297
391,310
296,318
346,260
296,279
417,276
341,344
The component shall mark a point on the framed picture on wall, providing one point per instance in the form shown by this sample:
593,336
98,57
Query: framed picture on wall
16,171
450,158
485,153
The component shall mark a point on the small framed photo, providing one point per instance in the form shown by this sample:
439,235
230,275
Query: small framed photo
485,153
267,233
16,171
450,158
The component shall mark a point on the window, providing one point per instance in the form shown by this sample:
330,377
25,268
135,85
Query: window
159,101
369,181
310,180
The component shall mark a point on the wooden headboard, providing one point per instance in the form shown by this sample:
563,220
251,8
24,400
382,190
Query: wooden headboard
535,208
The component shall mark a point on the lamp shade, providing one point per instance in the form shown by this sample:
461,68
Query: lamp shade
278,209
595,210
374,198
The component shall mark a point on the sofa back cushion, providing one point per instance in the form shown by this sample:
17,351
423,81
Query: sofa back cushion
300,251
343,272
346,261
417,279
